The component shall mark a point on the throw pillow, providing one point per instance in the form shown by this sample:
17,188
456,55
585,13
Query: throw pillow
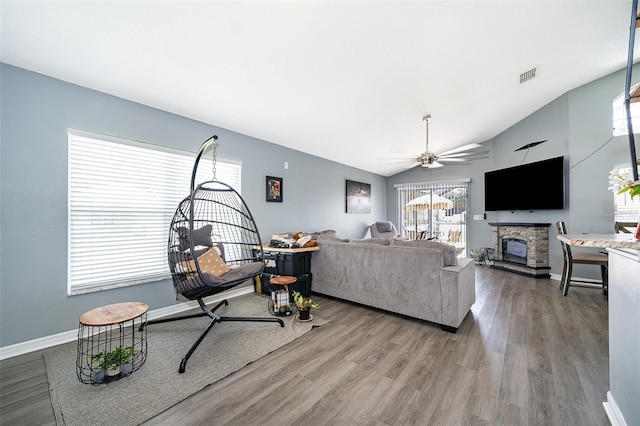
210,263
384,226
201,237
448,251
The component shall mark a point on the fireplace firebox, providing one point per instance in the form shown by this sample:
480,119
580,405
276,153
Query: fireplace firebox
514,250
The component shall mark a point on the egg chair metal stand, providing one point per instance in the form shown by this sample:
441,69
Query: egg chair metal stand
214,245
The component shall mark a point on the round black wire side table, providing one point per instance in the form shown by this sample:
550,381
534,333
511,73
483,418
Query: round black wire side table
110,345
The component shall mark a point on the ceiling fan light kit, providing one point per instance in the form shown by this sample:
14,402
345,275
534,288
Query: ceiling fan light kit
433,161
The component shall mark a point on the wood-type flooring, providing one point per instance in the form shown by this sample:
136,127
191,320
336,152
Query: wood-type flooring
525,355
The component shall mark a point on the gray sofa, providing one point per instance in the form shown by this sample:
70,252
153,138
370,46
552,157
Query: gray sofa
421,279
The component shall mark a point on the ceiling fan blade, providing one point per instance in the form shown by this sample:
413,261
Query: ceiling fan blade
465,154
467,147
454,160
434,165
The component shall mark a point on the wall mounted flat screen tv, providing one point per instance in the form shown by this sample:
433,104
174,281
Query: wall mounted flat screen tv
533,186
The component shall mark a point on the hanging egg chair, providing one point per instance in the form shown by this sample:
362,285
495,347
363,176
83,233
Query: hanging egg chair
214,245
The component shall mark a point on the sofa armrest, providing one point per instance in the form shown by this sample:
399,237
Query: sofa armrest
458,288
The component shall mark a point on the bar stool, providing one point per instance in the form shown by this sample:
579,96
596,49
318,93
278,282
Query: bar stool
280,303
571,259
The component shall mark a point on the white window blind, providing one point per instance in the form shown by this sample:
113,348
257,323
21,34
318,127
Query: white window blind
122,198
434,210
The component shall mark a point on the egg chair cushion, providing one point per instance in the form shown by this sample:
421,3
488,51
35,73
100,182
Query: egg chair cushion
194,286
201,237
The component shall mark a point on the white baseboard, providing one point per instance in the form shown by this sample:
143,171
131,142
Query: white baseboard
72,335
613,412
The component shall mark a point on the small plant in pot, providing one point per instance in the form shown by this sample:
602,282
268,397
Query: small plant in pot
477,255
304,305
111,362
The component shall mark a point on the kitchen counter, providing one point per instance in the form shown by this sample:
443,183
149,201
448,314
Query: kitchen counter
619,241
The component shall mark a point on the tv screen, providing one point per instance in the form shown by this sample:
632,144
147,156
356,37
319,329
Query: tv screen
533,186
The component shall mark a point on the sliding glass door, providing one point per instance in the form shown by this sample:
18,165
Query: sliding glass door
434,210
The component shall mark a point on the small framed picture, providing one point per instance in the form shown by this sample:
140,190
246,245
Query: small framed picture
274,189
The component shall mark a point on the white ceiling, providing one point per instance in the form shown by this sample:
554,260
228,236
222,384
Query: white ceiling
346,81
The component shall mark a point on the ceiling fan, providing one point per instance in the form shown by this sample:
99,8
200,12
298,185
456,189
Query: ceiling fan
462,154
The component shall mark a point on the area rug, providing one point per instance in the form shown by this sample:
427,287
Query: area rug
157,385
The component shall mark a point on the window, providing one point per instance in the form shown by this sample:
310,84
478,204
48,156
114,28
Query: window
620,115
434,210
624,208
122,198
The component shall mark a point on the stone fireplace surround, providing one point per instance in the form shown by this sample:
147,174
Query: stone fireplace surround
536,235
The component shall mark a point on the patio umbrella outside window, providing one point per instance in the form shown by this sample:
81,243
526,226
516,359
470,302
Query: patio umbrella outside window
426,203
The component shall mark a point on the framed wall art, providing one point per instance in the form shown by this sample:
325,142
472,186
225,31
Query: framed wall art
274,189
358,197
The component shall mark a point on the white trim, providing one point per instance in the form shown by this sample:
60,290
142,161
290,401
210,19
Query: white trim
434,182
613,412
72,335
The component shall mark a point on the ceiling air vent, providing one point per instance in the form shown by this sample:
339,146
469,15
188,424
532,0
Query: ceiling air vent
528,75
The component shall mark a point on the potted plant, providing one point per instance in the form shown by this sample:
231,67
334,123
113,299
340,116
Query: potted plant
111,362
477,255
304,305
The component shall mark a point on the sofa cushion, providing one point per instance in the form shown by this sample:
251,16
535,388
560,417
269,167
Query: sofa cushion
333,238
378,241
322,234
448,251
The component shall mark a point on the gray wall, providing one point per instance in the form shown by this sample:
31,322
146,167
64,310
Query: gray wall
36,112
576,124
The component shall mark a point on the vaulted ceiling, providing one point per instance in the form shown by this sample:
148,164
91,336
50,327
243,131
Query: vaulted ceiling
346,81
